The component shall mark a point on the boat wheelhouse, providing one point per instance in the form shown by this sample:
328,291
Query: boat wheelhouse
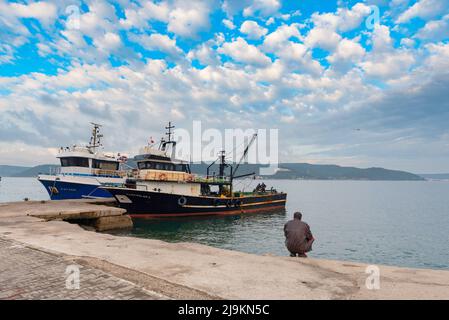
83,170
163,186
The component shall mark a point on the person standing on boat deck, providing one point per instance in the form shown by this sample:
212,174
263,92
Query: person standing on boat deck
298,237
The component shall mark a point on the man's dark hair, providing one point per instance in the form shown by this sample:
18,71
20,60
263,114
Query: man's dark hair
297,215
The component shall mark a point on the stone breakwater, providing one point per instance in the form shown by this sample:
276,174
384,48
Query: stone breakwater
137,268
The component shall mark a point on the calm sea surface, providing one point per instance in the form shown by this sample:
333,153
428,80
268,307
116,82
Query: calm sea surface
396,223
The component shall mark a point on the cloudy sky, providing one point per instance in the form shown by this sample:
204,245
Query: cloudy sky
345,82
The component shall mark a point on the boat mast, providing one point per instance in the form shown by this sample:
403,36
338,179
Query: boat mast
169,134
95,139
221,170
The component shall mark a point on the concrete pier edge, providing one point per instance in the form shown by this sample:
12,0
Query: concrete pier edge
194,271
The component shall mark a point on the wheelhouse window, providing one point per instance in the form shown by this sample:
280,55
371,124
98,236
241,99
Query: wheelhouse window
75,162
104,165
161,166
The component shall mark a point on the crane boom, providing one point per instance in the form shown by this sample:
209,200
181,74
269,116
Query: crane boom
245,152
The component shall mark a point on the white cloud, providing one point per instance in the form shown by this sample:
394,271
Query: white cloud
252,30
108,43
343,19
347,51
381,38
326,26
228,24
322,38
277,38
6,54
239,50
435,30
262,8
270,21
424,9
140,16
407,42
206,53
189,18
388,66
160,42
384,61
43,11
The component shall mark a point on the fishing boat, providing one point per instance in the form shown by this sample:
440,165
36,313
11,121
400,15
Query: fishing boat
162,186
84,169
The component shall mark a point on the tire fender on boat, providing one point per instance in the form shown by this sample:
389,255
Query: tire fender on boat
162,176
182,201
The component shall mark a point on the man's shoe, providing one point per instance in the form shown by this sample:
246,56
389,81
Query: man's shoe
292,254
302,255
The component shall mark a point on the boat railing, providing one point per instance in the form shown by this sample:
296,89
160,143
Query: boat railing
211,179
109,173
94,172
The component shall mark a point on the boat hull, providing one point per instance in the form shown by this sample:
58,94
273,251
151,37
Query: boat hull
140,203
59,188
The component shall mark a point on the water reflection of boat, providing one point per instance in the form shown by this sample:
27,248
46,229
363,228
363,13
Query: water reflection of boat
83,170
163,186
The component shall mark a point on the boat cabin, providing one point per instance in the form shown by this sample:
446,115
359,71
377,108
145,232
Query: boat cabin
80,161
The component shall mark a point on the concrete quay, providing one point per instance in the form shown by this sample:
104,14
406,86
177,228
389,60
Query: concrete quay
194,271
99,214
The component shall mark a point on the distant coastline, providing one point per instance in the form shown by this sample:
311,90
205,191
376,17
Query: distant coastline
287,171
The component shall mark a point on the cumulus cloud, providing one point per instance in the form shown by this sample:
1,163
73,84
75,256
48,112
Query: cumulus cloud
277,38
45,12
262,8
326,26
252,30
384,61
160,42
141,16
149,59
228,24
343,19
241,51
347,54
435,30
322,38
188,18
424,9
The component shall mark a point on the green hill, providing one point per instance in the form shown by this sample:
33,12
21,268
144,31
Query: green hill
320,172
8,171
35,171
16,171
287,171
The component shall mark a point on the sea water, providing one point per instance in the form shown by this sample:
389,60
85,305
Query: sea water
404,223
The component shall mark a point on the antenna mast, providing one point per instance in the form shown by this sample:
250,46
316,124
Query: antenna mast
169,134
95,139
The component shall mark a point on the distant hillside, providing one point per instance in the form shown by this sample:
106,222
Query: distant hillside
287,171
13,171
35,171
8,171
321,172
435,176
334,172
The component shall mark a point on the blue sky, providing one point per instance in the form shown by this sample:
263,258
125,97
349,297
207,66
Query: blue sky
359,83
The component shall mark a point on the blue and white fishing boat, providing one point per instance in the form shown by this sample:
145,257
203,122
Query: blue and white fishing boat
84,169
